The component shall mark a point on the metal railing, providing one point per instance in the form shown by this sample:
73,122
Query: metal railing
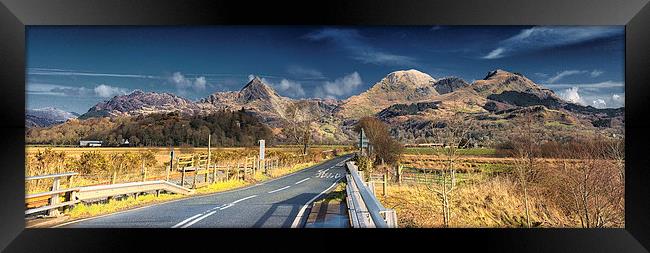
364,209
52,196
50,200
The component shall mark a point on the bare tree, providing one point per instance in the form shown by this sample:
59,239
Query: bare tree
526,150
385,148
589,186
299,127
454,135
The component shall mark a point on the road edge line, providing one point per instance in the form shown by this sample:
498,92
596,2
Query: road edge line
304,207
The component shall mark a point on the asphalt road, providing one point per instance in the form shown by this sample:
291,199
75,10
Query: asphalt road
280,202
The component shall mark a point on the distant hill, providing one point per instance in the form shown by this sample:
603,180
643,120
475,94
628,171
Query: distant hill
48,116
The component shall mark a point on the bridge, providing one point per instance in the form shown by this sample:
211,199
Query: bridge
280,202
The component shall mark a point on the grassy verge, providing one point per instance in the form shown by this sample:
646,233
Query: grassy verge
90,210
493,203
337,194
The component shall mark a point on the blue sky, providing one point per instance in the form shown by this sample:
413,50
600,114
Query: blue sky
73,68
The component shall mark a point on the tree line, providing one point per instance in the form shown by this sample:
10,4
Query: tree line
227,128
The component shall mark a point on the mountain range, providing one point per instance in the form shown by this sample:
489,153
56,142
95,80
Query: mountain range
410,101
48,116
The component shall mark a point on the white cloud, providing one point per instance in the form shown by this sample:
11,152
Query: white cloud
618,100
200,83
600,85
495,54
359,49
304,73
596,73
345,85
63,72
57,90
183,83
290,88
599,103
563,74
572,95
107,91
540,37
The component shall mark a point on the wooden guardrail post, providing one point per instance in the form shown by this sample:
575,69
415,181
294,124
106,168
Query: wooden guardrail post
196,170
55,197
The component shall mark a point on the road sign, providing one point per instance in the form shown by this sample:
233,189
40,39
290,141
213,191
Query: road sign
363,140
261,149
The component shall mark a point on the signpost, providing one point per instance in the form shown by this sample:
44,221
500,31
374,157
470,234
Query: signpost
363,141
261,162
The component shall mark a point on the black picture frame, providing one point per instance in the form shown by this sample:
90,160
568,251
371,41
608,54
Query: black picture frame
16,14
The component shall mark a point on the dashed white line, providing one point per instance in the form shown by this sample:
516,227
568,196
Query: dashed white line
198,219
186,220
279,189
302,180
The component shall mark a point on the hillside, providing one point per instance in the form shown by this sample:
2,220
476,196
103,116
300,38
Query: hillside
397,87
45,117
411,102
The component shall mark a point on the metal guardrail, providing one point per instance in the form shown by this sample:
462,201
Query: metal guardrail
104,191
364,209
90,193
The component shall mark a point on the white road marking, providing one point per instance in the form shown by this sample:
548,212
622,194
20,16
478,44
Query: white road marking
186,220
302,180
226,206
304,207
279,189
240,200
199,219
222,207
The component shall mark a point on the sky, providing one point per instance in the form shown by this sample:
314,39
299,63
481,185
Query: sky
75,67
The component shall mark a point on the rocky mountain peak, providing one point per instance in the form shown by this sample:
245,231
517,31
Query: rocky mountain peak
449,84
408,77
498,81
256,89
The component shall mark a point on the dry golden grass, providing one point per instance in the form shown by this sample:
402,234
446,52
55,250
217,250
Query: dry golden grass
490,204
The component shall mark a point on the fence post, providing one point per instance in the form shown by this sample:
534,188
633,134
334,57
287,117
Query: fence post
55,197
399,174
207,166
214,173
385,183
144,172
183,177
114,177
171,162
196,170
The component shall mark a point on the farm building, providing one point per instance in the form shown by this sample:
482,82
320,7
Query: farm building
90,143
